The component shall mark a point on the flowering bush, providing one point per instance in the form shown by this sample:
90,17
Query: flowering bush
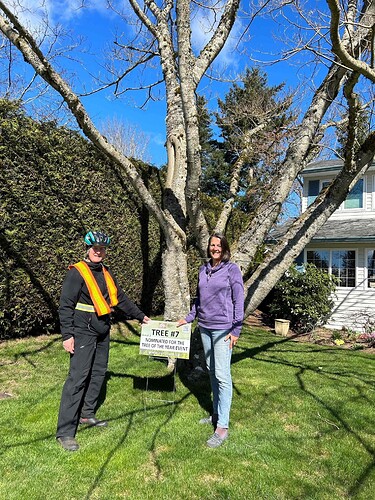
367,337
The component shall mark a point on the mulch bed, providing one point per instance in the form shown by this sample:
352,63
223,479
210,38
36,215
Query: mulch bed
321,336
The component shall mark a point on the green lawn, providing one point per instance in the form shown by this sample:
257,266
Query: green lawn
303,426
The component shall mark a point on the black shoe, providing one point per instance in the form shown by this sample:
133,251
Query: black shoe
68,443
93,422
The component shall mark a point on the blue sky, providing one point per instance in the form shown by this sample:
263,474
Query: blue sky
97,25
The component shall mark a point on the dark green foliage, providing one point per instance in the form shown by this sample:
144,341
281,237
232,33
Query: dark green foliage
212,208
303,297
216,171
251,109
54,187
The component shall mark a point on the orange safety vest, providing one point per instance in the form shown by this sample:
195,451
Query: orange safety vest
100,304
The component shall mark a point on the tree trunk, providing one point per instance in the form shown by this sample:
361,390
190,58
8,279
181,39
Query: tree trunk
175,280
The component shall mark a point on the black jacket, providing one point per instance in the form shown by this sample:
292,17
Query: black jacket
73,321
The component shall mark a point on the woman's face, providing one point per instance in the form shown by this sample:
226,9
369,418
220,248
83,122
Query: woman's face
215,249
96,254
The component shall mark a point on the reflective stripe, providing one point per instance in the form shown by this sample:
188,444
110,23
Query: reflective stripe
85,307
100,304
112,289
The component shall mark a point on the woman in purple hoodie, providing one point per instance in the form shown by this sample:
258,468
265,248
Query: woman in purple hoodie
219,306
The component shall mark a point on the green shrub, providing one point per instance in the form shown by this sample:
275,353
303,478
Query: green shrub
304,297
54,187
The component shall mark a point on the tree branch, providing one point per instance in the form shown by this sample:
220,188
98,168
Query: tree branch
20,37
338,47
234,185
217,41
305,227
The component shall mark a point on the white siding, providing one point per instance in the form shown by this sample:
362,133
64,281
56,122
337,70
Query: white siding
368,200
361,268
352,307
369,186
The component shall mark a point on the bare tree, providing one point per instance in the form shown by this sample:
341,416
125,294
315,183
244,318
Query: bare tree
127,138
165,29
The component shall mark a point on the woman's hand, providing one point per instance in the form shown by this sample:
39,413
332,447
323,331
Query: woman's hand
233,340
181,322
145,320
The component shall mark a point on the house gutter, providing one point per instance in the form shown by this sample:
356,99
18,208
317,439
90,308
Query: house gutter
339,240
321,170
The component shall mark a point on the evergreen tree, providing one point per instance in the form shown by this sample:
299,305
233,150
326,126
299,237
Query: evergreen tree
254,122
215,170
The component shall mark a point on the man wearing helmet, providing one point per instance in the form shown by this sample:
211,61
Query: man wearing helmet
89,293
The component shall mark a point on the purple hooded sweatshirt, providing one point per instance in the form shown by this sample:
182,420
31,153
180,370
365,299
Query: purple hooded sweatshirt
220,298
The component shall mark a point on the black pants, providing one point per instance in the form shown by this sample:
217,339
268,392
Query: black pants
88,366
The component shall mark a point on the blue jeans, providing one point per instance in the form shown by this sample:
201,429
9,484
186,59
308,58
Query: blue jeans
218,356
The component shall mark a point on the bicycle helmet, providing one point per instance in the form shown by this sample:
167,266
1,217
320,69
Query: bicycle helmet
97,238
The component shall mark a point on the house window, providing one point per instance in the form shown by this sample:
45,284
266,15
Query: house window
314,188
371,268
353,200
355,197
313,191
339,263
343,266
320,258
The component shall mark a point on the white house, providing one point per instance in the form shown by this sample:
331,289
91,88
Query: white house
345,245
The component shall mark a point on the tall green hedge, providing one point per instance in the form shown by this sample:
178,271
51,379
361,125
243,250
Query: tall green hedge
54,187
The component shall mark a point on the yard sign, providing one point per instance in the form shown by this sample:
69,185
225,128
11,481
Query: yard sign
165,339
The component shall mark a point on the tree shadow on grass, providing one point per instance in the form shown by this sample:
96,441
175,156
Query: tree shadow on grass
153,445
359,482
26,355
165,384
111,452
201,387
348,378
242,353
193,373
109,457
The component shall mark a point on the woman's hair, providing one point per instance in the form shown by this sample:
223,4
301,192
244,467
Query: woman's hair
225,250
